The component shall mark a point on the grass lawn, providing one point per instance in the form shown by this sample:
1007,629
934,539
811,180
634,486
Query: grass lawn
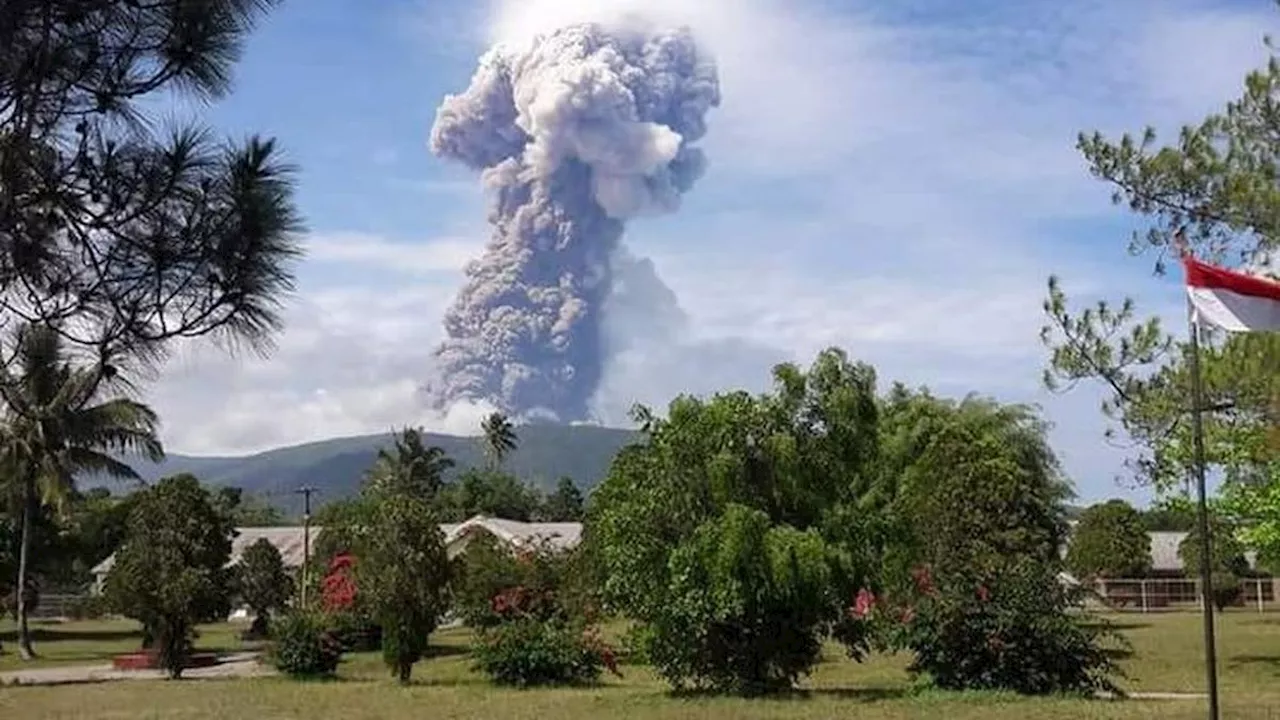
1166,658
95,642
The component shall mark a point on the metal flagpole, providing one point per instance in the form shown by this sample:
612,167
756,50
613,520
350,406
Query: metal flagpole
1202,514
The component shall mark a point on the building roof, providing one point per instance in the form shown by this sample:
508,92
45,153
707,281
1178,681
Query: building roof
561,536
288,540
1164,552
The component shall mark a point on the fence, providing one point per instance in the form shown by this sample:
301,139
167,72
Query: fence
57,606
1175,594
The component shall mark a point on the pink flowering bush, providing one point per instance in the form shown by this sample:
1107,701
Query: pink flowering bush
1018,632
525,651
530,638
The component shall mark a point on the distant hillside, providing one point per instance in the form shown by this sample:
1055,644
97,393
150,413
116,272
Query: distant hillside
546,453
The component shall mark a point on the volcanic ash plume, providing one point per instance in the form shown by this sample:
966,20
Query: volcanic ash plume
574,133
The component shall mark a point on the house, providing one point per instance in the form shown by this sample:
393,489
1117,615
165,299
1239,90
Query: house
289,540
1168,582
559,536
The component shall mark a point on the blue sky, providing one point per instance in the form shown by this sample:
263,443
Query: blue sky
896,178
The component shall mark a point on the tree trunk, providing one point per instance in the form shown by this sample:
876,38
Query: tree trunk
25,650
406,672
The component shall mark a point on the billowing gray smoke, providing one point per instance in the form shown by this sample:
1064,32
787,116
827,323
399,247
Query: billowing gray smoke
574,134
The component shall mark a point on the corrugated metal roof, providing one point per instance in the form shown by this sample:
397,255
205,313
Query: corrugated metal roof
288,540
562,536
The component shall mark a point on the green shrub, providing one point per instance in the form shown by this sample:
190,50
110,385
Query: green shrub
171,572
89,607
527,651
747,606
356,632
1021,632
1228,590
489,568
635,643
304,646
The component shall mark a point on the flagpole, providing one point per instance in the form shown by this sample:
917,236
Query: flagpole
1202,514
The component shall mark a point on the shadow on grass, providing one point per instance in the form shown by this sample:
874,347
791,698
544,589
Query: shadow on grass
1268,621
381,675
1272,661
1117,654
849,694
1124,626
45,634
444,651
448,682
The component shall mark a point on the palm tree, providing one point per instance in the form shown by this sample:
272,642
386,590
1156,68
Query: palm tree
57,425
499,438
413,465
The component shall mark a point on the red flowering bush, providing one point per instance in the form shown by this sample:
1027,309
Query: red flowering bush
338,588
535,641
863,604
532,622
339,597
1020,631
522,602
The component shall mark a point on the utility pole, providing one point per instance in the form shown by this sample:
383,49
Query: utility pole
305,491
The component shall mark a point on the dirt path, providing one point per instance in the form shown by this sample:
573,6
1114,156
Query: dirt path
232,666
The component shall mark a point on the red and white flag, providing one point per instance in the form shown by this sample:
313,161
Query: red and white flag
1233,301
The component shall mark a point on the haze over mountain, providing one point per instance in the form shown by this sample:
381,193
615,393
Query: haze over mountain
335,467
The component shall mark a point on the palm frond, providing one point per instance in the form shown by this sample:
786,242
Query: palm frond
102,464
55,426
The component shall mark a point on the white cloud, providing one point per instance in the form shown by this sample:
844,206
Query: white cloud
350,362
1190,62
928,174
449,254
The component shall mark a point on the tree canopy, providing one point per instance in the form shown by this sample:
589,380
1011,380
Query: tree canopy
735,532
743,530
410,466
393,563
1228,553
565,504
58,423
117,231
500,438
171,573
246,510
401,567
975,483
262,583
488,492
1215,188
1110,540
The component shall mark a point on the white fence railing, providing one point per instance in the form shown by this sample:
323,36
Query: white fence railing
1173,594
